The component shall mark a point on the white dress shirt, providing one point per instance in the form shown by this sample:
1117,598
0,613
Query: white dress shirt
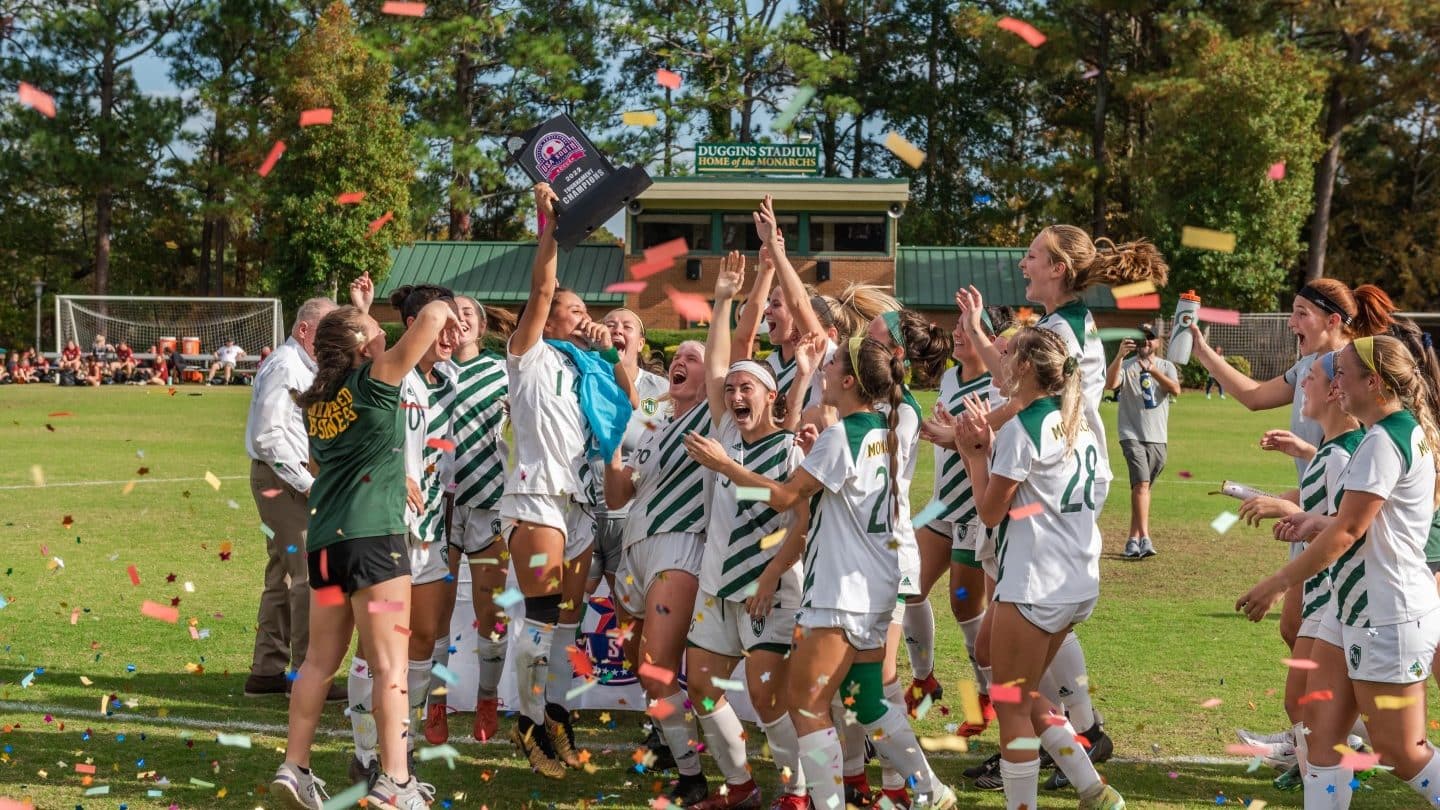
275,429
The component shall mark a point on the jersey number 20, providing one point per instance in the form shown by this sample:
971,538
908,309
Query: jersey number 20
1087,490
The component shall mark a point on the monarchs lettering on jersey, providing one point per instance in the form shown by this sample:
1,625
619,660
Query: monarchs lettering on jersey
671,494
478,421
952,484
326,420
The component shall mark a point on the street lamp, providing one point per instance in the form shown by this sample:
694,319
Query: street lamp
39,285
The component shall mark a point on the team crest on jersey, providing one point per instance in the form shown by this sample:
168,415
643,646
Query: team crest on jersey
1354,656
495,527
757,626
1417,669
649,407
555,152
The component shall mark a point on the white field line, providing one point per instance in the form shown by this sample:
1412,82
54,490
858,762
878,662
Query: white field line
139,480
272,730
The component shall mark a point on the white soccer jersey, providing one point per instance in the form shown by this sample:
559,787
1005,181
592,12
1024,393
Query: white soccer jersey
427,418
851,562
1302,426
1074,323
478,421
1320,495
671,489
229,354
551,436
734,558
1051,557
654,410
952,484
1382,579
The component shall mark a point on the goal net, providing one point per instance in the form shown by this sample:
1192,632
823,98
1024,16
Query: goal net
1264,339
192,326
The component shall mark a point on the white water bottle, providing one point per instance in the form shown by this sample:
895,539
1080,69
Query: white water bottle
1240,491
1181,341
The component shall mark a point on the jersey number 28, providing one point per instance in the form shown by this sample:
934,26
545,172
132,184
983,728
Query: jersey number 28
1087,490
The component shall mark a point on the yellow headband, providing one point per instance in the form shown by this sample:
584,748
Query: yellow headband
1365,347
855,356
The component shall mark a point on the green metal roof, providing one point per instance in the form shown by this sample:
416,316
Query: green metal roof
499,272
927,277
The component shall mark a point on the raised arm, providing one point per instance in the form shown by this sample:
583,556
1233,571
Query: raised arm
1256,396
392,366
717,359
788,494
619,483
809,353
1112,372
742,344
790,284
971,305
543,281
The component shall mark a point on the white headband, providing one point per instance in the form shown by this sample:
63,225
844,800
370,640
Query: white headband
755,370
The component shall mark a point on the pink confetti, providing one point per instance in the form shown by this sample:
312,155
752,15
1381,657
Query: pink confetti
382,606
274,157
1151,301
673,249
350,197
1277,171
1024,30
1358,762
627,287
379,222
1248,750
661,674
317,116
690,306
402,630
1211,703
270,493
37,100
1027,511
84,767
1003,693
1299,663
134,575
162,612
1318,696
1228,317
649,268
666,78
1186,474
329,596
443,445
401,9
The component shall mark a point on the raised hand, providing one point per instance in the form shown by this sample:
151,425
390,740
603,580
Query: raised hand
545,199
971,305
596,334
362,292
765,221
1284,441
732,275
809,351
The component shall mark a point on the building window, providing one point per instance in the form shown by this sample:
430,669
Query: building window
739,232
832,233
657,229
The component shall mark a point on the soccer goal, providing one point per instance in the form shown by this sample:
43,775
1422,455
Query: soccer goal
190,326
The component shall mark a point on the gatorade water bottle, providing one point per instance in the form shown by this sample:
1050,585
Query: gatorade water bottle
1180,340
1147,390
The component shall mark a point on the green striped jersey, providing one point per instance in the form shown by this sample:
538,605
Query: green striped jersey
670,488
1382,579
784,371
427,420
1320,495
952,485
478,420
734,557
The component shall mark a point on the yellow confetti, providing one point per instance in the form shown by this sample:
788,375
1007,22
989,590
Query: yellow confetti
85,681
37,475
970,703
948,742
1132,290
212,480
1206,239
1255,804
770,540
904,150
639,119
129,485
1393,701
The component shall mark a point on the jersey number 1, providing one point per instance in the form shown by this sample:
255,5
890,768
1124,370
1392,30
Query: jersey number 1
1087,491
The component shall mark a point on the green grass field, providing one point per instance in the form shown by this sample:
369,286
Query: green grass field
86,680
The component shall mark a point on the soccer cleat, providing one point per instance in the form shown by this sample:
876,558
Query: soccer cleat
689,790
1101,746
790,801
1290,779
534,743
1147,547
562,735
487,719
942,799
300,790
736,797
919,688
360,772
857,790
1132,549
1107,799
387,794
655,744
987,716
1251,738
437,728
991,765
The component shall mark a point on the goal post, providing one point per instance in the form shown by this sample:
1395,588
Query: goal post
192,326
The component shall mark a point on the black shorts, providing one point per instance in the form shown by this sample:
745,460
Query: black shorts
359,563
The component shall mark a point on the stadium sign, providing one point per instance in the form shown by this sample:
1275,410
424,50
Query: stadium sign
757,158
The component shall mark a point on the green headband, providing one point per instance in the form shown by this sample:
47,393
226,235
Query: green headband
892,323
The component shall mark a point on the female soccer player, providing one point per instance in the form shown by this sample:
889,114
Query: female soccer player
851,574
356,542
1034,483
1376,646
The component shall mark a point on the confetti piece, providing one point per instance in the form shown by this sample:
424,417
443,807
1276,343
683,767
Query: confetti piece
797,103
970,703
1357,762
1138,302
932,510
1229,317
403,630
3,603
271,159
1255,804
81,767
1132,290
379,222
104,790
1029,510
673,249
37,100
949,742
348,797
771,540
37,475
690,306
317,116
649,268
329,596
443,445
445,752
666,78
385,606
1240,749
128,488
1393,701
1004,693
134,575
661,674
164,613
1318,696
350,197
626,287
752,493
443,672
403,9
234,740
728,684
1277,171
1224,521
1206,239
639,119
1024,744
201,783
903,149
580,662
1022,29
1299,663
539,560
1211,703
212,480
509,598
574,692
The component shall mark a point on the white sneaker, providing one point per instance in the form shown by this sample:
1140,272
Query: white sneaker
1251,738
1132,548
299,790
943,799
386,795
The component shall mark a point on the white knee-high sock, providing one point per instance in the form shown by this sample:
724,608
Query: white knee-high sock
971,630
1070,757
919,629
1328,788
532,667
1302,747
678,729
492,665
417,688
360,687
851,737
1022,783
725,738
823,773
1074,682
441,656
562,669
785,750
892,778
895,741
1427,782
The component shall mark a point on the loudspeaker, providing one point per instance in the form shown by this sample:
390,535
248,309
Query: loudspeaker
822,270
692,269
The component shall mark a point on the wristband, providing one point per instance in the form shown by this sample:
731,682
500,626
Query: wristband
611,356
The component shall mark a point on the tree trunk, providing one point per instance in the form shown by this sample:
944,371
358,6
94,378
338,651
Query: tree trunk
104,196
222,234
460,183
1325,181
207,236
932,104
1102,97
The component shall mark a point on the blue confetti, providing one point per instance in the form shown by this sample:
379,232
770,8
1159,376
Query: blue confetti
983,199
129,667
961,593
291,549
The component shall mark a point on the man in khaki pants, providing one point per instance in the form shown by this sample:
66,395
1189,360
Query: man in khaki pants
280,480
